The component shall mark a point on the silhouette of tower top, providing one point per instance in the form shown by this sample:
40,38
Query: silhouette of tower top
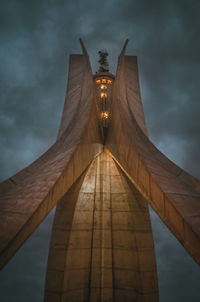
101,173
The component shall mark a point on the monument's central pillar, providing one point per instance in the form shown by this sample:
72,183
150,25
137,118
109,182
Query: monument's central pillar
102,245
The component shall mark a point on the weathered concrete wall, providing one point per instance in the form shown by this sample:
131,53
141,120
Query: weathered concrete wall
102,246
173,193
27,197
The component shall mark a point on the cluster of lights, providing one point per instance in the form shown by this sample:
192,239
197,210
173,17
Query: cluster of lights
103,81
103,86
103,94
105,115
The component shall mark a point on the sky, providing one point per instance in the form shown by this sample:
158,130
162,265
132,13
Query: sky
36,38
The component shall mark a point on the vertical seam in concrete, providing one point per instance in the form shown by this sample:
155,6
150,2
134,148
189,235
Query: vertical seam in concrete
112,241
92,240
101,226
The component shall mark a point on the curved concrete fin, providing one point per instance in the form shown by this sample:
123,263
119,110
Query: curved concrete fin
102,245
27,197
73,94
83,47
124,48
133,95
75,88
173,193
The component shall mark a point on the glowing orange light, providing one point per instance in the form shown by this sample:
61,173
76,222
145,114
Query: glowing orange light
103,81
103,95
109,81
98,81
103,86
104,115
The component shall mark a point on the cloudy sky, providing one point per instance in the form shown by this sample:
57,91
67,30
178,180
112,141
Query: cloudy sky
36,38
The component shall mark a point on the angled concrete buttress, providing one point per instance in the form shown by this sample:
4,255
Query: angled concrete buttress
173,193
27,197
101,173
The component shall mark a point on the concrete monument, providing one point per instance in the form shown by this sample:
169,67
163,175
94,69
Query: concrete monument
101,173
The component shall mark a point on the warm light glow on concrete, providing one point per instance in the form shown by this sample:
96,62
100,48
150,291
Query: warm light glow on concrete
105,115
103,95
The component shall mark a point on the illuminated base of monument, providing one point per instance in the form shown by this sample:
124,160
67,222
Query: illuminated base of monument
102,246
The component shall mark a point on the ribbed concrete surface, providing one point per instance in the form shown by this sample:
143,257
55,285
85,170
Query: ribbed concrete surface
102,246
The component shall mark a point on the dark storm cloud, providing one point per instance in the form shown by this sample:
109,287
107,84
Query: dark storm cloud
36,38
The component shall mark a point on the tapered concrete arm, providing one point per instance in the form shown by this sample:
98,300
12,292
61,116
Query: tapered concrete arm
27,197
173,193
